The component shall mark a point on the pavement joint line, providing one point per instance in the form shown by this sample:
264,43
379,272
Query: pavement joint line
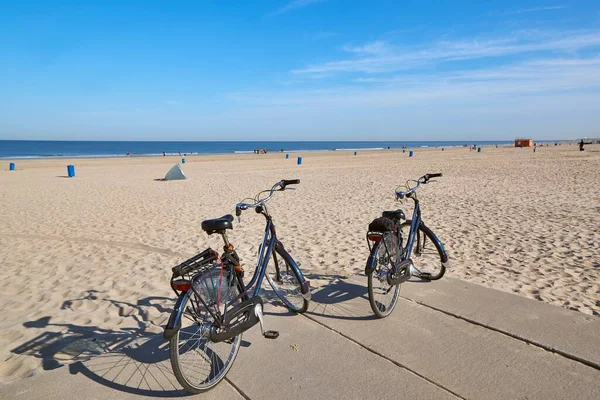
542,346
551,349
396,363
236,388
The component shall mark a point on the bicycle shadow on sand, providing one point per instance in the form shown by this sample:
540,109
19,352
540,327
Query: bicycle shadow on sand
131,359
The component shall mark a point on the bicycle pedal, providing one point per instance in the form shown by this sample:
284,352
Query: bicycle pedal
271,334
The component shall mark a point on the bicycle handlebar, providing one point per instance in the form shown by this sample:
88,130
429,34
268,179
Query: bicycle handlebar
281,185
400,194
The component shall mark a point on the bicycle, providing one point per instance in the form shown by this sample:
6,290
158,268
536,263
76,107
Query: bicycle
216,305
391,262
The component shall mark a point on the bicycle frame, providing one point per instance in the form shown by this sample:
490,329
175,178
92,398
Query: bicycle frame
267,247
416,224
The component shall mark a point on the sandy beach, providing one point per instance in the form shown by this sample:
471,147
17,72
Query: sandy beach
95,252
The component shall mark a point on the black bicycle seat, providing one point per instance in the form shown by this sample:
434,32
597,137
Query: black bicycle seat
395,214
218,225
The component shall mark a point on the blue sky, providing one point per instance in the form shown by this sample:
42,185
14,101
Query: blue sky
299,70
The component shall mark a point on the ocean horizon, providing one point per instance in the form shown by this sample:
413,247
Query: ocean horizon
20,149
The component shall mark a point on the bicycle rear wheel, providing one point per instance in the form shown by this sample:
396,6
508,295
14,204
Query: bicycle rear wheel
382,296
285,281
198,363
428,258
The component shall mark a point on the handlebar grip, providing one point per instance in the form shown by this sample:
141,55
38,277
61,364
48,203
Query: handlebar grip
437,175
286,182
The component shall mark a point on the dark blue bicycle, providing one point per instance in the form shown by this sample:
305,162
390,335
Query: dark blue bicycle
214,306
399,249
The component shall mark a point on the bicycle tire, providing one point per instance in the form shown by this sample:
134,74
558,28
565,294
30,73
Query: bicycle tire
230,348
379,288
424,257
292,296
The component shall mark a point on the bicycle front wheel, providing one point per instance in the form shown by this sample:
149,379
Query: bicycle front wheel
428,258
382,296
285,281
198,363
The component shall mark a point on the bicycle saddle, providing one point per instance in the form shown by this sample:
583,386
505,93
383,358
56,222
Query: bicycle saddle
217,225
395,215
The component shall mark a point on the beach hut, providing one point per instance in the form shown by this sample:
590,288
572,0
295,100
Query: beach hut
523,142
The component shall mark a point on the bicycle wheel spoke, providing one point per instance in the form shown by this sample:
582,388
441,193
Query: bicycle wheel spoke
199,363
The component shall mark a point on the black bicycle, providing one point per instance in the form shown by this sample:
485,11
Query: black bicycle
399,249
214,307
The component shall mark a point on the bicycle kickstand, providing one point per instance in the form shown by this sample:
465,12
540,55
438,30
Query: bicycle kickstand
267,334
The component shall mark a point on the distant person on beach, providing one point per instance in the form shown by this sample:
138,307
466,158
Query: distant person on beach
582,143
164,154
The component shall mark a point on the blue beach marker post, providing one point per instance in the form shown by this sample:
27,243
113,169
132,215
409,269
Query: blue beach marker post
11,166
479,149
403,150
71,171
287,156
410,153
299,160
183,160
356,153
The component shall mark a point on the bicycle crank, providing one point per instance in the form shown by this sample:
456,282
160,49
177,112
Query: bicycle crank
258,311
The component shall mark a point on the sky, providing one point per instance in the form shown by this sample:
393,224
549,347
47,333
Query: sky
299,70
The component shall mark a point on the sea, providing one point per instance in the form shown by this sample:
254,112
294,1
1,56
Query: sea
14,149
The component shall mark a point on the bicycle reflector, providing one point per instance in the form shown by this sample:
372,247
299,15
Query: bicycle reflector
181,285
374,238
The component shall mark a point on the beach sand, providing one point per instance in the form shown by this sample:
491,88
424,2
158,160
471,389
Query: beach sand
91,256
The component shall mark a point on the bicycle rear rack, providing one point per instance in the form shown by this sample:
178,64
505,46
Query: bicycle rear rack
190,268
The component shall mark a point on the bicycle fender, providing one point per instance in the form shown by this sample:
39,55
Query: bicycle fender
304,284
371,262
438,244
174,323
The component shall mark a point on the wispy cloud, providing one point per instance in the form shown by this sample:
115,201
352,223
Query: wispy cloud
293,5
376,47
530,10
381,57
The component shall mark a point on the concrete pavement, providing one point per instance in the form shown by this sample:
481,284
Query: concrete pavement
445,340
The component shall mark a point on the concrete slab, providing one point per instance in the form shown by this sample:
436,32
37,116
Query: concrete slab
309,361
306,361
108,377
467,359
567,332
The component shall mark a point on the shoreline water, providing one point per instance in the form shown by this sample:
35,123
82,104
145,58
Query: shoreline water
23,150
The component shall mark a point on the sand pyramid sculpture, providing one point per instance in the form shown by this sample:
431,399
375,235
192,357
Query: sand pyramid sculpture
175,174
